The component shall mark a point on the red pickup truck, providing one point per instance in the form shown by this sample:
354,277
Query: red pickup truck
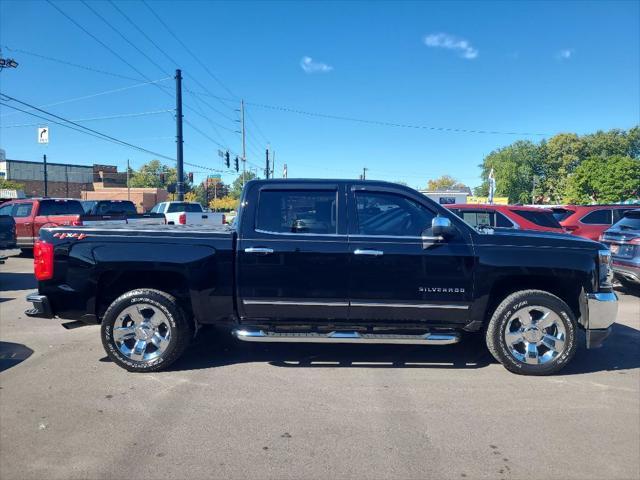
32,214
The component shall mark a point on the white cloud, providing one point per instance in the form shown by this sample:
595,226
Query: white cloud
451,42
565,54
310,66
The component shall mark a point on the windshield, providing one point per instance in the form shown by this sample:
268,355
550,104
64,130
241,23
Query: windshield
631,221
184,207
542,218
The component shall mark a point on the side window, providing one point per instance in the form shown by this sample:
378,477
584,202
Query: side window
392,215
23,210
479,218
297,211
502,221
6,209
155,209
60,207
618,213
597,217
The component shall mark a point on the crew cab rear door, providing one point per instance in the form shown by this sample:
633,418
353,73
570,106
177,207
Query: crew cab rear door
293,253
398,271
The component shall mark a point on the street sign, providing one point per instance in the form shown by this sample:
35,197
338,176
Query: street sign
43,134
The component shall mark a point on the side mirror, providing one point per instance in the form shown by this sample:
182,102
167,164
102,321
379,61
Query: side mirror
442,227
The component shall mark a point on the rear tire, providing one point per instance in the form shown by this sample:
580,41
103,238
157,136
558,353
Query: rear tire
532,332
145,330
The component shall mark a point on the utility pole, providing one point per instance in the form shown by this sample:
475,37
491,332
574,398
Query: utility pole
244,145
273,164
66,179
46,186
364,173
267,170
128,188
179,140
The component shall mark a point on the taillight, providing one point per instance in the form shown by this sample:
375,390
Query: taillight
43,260
224,219
634,241
182,219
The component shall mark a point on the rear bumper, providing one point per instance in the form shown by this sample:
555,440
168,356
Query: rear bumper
628,271
41,306
598,314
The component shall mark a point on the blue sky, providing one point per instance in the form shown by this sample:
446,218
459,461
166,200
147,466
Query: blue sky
531,68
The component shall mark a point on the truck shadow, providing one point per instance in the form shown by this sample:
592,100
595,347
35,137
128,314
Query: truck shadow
10,281
215,349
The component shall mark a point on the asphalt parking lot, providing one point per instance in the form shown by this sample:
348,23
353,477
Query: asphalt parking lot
230,410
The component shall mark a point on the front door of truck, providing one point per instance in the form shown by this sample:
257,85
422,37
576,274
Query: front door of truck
23,215
293,253
399,271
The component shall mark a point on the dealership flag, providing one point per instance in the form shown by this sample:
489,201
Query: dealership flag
492,186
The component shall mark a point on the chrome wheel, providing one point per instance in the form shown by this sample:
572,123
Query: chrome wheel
142,332
535,335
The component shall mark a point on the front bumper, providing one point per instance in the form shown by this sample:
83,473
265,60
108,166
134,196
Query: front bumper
41,306
598,313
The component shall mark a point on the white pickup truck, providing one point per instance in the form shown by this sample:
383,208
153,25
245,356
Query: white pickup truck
187,213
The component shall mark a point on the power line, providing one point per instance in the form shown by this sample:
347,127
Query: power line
87,129
85,97
107,117
203,65
376,122
71,64
151,60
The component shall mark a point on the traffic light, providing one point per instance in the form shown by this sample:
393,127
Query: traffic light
226,157
162,178
237,165
190,177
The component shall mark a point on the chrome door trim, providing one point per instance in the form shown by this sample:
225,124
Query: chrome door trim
262,250
409,305
295,303
374,253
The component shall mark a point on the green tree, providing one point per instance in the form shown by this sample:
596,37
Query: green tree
514,168
445,182
604,180
149,176
10,185
236,186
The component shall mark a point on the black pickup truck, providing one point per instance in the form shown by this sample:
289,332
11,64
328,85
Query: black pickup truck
329,261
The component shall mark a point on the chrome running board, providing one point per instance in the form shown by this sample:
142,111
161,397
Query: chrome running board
429,338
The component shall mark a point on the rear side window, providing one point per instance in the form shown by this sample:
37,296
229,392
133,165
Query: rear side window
184,207
597,217
502,221
542,218
561,214
60,207
295,211
478,218
22,210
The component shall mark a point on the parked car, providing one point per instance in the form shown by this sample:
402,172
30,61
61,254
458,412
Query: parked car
7,232
384,264
623,239
589,221
32,214
187,213
117,211
507,216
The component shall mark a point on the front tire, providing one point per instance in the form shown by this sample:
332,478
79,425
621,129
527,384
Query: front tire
532,332
145,330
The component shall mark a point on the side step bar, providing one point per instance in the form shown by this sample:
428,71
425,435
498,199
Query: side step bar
254,335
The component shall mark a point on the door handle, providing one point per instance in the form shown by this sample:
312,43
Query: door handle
374,253
261,250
